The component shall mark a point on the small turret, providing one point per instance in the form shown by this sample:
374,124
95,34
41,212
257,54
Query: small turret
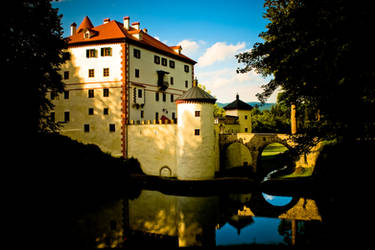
195,135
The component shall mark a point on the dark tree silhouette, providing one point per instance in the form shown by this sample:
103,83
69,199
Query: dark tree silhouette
33,50
317,53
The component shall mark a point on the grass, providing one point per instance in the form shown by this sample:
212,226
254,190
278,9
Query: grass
274,149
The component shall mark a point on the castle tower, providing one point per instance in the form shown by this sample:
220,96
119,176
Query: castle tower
195,135
243,111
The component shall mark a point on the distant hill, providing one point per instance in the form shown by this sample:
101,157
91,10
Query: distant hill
266,106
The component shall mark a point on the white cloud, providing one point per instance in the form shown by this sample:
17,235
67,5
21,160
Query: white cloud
189,47
225,83
220,51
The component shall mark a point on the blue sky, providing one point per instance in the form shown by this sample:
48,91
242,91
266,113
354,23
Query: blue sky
210,32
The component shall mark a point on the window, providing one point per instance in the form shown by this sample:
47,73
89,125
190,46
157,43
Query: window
91,111
106,51
172,98
137,53
197,113
112,128
66,94
91,53
172,80
137,73
66,116
245,129
91,93
196,132
186,84
157,96
86,128
173,115
156,116
106,92
106,72
139,93
66,75
142,114
186,68
245,117
157,59
91,72
164,61
164,97
105,111
171,64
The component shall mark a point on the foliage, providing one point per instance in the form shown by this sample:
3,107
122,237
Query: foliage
315,52
32,36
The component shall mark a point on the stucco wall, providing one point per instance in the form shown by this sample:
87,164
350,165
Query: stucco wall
154,146
244,119
147,82
196,158
78,103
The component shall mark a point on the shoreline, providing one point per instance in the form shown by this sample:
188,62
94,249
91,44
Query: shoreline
220,185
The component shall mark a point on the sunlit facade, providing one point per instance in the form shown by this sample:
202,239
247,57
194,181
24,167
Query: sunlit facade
118,75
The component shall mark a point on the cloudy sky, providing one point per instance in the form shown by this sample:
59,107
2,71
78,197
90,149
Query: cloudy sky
210,32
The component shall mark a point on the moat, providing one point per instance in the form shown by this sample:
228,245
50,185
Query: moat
158,219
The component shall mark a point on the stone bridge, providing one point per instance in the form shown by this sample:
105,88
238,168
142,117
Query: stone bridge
245,149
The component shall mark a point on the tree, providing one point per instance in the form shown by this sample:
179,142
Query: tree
33,52
316,52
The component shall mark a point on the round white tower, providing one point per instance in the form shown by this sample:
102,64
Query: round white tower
195,135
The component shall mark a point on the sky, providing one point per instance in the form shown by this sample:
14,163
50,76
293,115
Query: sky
210,32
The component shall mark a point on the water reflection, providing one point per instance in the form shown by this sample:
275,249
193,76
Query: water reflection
157,219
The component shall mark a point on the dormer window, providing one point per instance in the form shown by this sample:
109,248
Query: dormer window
87,34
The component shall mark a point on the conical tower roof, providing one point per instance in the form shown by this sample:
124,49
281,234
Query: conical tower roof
238,104
196,94
86,24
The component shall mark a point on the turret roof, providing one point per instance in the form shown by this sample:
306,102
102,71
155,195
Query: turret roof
196,94
86,24
238,104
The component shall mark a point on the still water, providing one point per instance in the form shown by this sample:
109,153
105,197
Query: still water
158,219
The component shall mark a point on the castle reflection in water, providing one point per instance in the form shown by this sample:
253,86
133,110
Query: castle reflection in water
158,219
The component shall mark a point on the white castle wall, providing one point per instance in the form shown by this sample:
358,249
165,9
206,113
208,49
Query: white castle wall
196,156
154,145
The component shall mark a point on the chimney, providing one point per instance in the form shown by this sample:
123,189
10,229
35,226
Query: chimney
106,20
73,29
136,25
126,22
145,31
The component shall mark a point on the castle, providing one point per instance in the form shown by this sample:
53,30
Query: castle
134,96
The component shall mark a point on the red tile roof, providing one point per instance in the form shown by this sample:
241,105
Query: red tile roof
115,30
86,24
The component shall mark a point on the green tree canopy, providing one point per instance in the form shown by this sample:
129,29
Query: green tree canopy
33,50
318,52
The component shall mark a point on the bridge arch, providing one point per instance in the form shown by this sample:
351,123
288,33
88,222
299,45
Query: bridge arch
255,142
236,154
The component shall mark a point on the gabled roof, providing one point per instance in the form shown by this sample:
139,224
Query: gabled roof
196,94
238,104
113,30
